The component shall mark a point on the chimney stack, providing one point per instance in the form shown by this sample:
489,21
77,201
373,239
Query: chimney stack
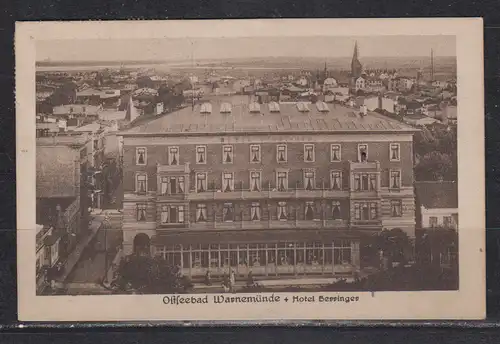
363,111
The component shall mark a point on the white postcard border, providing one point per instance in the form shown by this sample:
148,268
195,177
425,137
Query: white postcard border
467,303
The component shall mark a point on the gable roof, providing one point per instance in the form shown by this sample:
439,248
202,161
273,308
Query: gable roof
435,195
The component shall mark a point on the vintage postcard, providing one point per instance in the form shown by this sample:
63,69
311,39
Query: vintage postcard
250,170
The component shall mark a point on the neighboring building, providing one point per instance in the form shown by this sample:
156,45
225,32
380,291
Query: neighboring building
47,255
243,186
437,204
302,81
360,84
449,115
62,187
372,103
388,104
418,119
77,113
374,85
440,83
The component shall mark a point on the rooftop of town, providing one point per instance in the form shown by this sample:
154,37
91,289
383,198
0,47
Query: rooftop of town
237,114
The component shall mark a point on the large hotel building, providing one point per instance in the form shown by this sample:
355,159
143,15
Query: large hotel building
274,188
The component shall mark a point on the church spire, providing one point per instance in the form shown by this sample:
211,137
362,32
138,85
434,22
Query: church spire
356,67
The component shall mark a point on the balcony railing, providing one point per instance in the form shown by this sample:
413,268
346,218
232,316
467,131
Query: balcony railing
290,193
173,168
268,224
365,165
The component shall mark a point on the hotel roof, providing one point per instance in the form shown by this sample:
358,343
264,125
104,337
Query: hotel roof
291,118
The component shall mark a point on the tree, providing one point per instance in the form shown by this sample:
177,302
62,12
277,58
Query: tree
437,242
148,275
395,244
435,166
169,97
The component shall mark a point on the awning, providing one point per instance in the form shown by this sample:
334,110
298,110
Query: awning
186,238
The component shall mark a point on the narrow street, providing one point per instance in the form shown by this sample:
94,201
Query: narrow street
91,265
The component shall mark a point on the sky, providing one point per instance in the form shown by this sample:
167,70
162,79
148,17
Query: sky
227,48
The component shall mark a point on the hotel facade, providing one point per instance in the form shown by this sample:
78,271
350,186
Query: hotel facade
275,189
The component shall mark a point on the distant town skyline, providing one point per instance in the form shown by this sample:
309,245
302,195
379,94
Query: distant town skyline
245,47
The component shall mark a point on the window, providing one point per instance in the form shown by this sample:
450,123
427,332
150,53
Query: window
140,156
254,107
365,181
228,181
282,213
255,211
342,253
254,153
201,182
164,185
228,212
281,153
141,183
336,215
141,212
373,181
172,185
394,152
396,208
335,152
309,152
309,211
447,221
201,213
336,180
172,214
201,154
362,152
365,211
255,180
395,181
433,221
173,155
227,154
282,181
309,180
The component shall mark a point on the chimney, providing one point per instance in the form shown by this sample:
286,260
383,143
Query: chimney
363,111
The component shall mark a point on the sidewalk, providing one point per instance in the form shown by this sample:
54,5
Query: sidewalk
74,256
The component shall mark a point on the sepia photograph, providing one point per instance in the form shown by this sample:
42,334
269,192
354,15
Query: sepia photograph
275,169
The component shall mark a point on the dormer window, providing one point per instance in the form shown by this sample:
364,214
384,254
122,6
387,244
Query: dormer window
274,107
322,107
206,108
302,107
254,107
225,108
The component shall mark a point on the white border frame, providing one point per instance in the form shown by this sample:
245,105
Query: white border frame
466,303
